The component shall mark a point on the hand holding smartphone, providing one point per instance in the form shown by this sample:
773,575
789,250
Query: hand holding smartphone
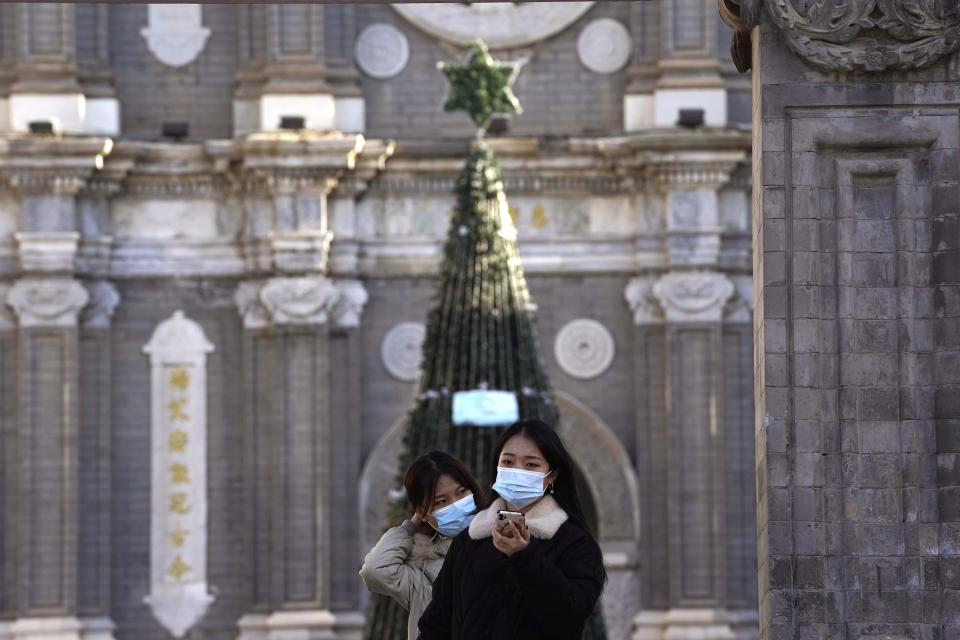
504,518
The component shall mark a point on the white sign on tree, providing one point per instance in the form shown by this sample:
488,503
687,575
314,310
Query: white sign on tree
175,33
178,518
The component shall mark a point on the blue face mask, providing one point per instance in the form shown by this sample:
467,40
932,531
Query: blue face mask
455,517
518,486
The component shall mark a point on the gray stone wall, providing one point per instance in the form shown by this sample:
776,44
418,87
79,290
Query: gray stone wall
857,347
150,92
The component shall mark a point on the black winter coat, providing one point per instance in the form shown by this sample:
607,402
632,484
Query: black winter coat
547,591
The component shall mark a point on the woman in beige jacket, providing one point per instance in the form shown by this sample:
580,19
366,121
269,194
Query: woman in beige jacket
444,497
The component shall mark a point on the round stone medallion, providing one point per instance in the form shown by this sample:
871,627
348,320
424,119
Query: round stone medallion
584,348
604,45
382,51
401,350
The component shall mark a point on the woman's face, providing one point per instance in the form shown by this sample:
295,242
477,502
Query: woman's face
448,491
520,452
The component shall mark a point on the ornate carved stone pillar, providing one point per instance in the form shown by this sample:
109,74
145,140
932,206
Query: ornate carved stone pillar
857,268
693,458
56,458
60,76
283,70
300,356
301,377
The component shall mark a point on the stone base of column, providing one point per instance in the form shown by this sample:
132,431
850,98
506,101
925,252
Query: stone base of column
684,624
59,628
74,112
302,625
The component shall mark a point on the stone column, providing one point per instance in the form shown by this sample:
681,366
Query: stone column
856,192
283,70
55,69
94,451
55,458
9,450
340,31
300,379
642,73
689,66
691,371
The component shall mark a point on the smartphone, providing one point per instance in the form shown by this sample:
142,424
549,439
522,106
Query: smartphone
504,517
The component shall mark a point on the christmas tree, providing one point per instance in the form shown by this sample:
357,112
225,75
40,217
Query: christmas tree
480,328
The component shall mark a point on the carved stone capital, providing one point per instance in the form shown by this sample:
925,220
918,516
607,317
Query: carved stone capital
249,306
739,309
693,297
8,320
299,300
868,35
33,182
350,303
104,299
47,302
47,252
645,306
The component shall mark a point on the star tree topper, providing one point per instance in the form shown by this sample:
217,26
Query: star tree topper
481,86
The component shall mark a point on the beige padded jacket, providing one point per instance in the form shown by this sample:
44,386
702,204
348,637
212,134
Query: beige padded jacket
403,565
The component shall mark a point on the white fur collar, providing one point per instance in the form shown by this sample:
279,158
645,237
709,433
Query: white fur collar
543,519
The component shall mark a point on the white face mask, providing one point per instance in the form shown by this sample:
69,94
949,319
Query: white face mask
518,486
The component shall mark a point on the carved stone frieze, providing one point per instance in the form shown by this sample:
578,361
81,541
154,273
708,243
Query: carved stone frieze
47,302
299,300
249,306
869,35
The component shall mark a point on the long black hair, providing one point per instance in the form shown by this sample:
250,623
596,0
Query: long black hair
557,457
420,480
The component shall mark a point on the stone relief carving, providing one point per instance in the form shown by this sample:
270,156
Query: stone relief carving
349,307
639,295
604,46
739,309
584,348
249,306
693,297
8,321
299,300
47,302
175,33
382,51
104,299
869,35
499,25
401,350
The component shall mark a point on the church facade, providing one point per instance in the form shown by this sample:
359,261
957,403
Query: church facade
219,233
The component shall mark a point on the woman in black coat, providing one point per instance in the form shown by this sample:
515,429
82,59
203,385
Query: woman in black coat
535,580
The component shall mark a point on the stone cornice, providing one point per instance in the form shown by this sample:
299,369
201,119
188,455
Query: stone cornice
54,165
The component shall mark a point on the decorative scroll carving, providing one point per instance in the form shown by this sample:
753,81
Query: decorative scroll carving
349,307
639,295
693,297
104,298
869,35
299,300
47,302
